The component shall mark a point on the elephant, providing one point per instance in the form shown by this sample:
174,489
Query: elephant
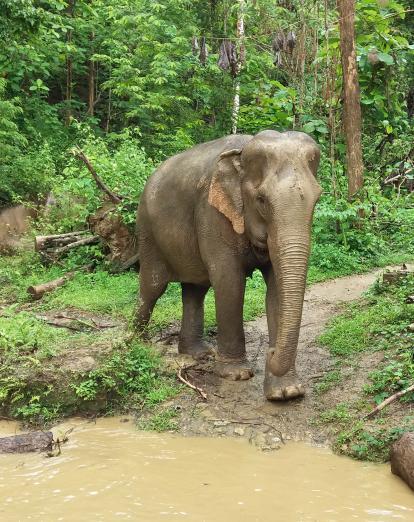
211,215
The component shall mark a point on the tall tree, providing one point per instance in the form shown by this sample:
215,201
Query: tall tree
240,60
352,107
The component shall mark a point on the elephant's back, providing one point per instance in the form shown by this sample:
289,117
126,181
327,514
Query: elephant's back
169,203
185,172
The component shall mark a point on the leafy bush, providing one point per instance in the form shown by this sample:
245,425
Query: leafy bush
132,372
26,170
119,161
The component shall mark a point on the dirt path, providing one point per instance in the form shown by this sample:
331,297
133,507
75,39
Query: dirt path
239,408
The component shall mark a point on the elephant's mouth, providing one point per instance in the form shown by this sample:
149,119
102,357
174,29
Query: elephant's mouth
261,251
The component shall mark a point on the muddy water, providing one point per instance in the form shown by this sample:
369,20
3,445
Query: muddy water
110,471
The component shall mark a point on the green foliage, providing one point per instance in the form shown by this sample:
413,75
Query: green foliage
373,443
130,373
396,373
328,381
381,323
119,161
340,414
163,420
22,335
25,171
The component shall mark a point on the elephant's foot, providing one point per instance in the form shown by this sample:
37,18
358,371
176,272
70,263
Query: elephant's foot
233,369
282,388
198,350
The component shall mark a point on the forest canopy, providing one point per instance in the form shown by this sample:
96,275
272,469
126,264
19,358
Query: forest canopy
132,82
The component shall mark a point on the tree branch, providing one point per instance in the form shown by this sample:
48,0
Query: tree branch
78,153
389,401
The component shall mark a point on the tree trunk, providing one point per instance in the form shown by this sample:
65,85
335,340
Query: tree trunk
240,60
69,66
352,107
91,80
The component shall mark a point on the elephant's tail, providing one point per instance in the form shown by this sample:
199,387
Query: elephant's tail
131,262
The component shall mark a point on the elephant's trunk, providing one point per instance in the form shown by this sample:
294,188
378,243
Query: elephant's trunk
289,254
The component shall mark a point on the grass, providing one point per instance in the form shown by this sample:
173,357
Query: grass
380,322
31,385
163,420
371,443
34,384
328,381
340,414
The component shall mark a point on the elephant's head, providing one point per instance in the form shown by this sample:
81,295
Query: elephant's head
268,190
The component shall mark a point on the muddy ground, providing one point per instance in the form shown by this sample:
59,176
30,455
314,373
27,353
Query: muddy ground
239,408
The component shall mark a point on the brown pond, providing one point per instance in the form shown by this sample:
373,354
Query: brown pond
110,471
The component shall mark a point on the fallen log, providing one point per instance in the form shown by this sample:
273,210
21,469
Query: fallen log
57,240
82,242
395,276
37,291
27,442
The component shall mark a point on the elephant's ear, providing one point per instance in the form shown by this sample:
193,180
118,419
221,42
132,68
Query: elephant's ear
225,190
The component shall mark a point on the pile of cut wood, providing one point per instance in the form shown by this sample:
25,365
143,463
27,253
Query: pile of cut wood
105,227
54,246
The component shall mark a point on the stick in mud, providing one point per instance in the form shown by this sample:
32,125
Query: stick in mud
190,385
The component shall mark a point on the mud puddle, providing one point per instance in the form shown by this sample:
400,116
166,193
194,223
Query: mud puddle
110,471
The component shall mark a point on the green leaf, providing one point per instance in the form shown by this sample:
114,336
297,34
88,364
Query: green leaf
385,58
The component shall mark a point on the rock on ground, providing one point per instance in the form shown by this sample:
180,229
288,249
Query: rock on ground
402,458
27,442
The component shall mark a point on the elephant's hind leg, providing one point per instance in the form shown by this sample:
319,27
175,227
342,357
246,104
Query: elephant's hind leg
154,279
192,324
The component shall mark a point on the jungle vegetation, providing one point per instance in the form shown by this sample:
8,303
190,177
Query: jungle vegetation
131,82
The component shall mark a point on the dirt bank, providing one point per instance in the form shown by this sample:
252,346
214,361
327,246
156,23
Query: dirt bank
239,408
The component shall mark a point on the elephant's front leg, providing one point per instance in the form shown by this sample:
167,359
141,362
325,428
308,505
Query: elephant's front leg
231,361
288,386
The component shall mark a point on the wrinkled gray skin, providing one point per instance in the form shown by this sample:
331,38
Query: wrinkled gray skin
211,215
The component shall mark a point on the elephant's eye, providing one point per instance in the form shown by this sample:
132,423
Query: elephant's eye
261,204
